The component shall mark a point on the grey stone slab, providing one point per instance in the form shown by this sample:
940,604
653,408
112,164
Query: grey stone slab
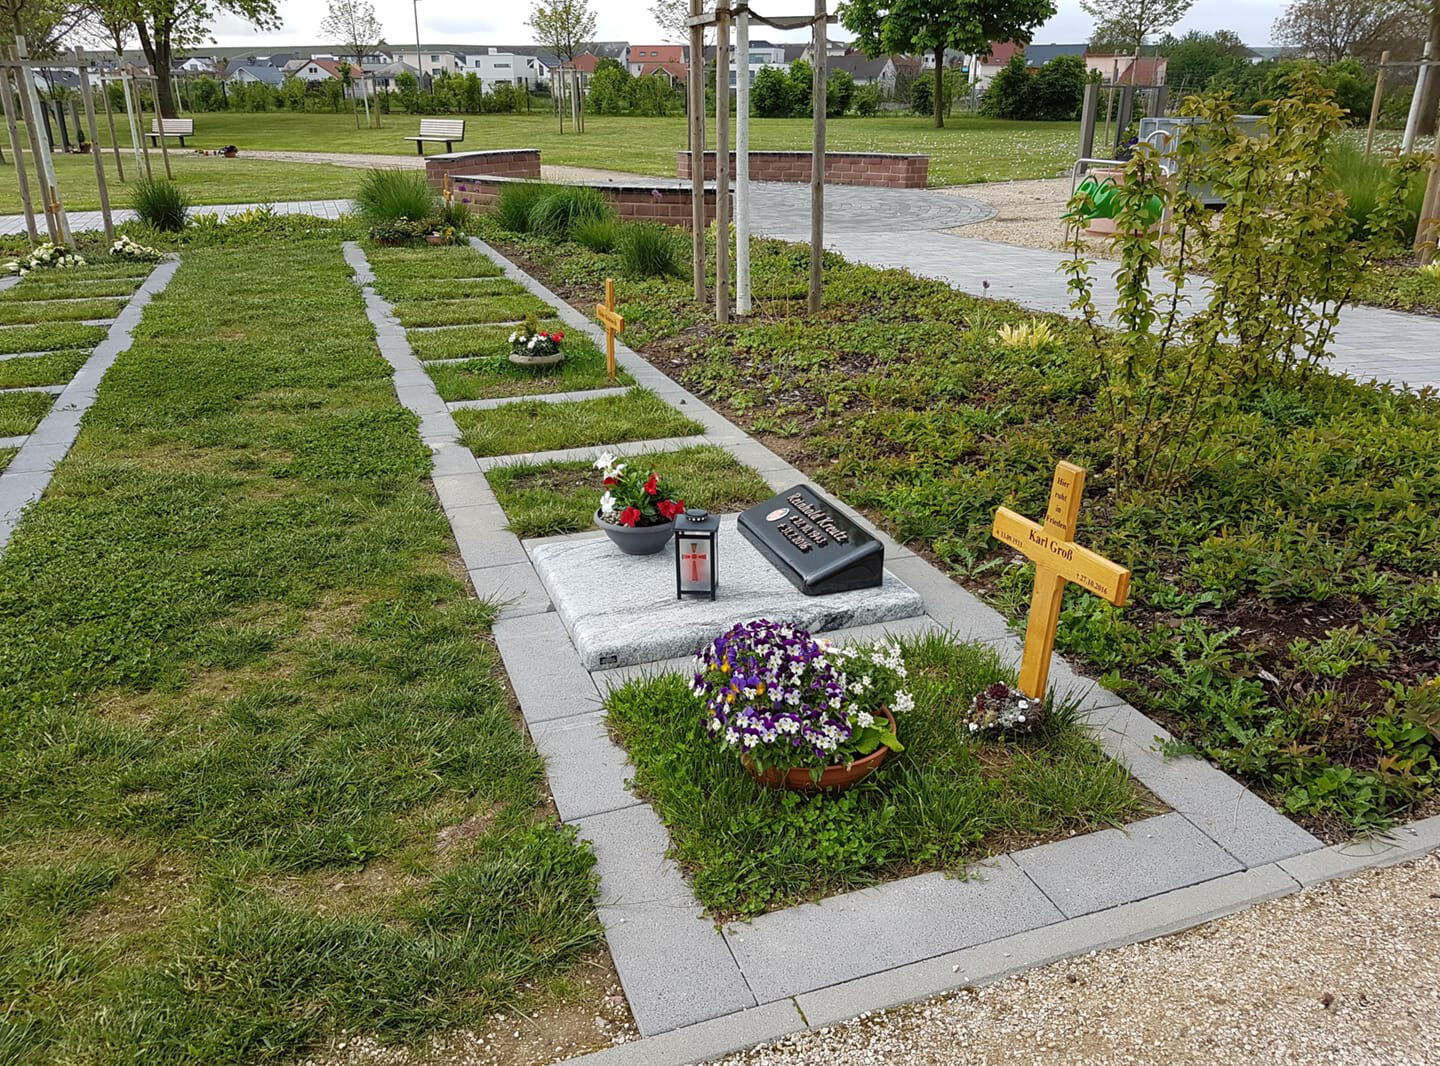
12,442
514,586
34,457
674,966
449,460
648,623
795,950
960,611
482,538
997,959
703,1041
544,670
605,680
587,770
1113,866
1342,860
459,491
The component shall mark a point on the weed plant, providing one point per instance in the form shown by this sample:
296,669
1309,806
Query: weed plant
162,205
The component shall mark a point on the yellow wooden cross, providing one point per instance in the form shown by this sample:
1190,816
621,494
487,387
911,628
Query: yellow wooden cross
614,323
1058,559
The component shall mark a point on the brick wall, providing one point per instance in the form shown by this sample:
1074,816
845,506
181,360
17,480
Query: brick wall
841,168
665,203
505,163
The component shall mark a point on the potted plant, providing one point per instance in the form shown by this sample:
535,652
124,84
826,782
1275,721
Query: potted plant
529,346
637,517
800,712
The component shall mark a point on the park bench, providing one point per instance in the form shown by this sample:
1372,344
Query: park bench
171,127
448,130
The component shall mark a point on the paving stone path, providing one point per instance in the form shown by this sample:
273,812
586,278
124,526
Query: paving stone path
28,474
696,991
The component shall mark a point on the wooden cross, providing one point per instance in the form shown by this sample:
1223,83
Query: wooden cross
614,323
1058,559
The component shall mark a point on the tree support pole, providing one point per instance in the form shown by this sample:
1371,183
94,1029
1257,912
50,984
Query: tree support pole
1412,121
55,220
110,121
695,88
99,157
817,160
722,165
742,161
164,149
1375,103
1427,232
6,89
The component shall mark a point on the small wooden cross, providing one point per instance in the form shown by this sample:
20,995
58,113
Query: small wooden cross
1058,559
614,324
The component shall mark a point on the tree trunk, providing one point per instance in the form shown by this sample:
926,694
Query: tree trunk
936,103
1430,102
158,52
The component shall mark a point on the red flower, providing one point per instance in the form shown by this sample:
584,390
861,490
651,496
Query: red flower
611,482
670,508
630,516
557,337
652,487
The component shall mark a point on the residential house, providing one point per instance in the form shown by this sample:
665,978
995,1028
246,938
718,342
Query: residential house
385,77
494,67
867,71
676,74
984,68
646,58
433,60
1127,70
256,74
319,70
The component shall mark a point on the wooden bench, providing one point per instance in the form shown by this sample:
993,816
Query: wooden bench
448,130
171,127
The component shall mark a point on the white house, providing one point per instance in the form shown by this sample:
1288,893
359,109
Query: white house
433,61
494,67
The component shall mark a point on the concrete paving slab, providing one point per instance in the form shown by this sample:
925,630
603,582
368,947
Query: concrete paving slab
553,684
703,1041
1105,869
818,944
648,623
482,538
587,770
1386,849
515,587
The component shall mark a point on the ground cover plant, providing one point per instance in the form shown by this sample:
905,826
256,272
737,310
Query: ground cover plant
545,499
945,801
541,426
1285,610
52,368
56,309
45,338
1403,286
21,412
261,779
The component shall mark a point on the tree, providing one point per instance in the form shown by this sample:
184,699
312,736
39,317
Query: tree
839,89
563,26
867,99
44,23
353,25
1129,22
1192,60
164,25
672,16
1332,30
770,93
887,27
609,88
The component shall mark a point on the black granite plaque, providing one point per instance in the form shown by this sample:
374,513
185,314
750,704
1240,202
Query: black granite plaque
816,546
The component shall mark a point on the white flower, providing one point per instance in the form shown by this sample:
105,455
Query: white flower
903,702
604,460
607,504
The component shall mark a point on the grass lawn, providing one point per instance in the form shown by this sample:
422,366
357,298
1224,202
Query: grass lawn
543,499
55,309
1285,608
21,412
262,782
6,454
48,338
943,802
539,426
52,368
966,150
471,310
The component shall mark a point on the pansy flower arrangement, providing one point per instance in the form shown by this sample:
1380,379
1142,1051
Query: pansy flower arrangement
785,699
632,498
530,340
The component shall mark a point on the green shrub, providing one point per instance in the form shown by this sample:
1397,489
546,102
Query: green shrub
556,215
1365,181
453,214
512,207
161,204
648,250
597,234
389,195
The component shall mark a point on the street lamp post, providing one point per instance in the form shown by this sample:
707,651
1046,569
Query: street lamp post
419,69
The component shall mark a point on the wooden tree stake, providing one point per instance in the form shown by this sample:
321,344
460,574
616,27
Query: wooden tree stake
1058,559
722,164
89,101
18,153
614,324
695,95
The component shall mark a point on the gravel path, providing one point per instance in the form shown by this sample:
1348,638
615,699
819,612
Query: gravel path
1026,212
1344,973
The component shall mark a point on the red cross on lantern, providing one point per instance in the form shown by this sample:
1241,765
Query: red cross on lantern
696,539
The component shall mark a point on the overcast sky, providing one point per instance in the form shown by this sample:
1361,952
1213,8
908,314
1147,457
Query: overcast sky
629,20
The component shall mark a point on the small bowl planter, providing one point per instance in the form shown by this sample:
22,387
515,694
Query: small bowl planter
637,540
836,778
520,359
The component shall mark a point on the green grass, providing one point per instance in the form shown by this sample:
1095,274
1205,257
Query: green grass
6,454
411,291
543,499
52,368
427,262
1285,605
471,311
17,312
1403,288
538,426
943,802
43,286
21,412
261,779
48,338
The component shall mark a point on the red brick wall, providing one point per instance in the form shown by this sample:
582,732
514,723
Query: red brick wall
507,163
841,168
670,204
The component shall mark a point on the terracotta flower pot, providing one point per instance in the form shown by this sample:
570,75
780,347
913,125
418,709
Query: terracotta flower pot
637,540
835,778
436,238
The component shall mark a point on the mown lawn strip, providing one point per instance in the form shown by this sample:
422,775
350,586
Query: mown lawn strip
52,368
471,311
21,412
538,426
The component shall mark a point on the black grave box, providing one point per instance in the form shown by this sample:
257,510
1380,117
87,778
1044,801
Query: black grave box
818,548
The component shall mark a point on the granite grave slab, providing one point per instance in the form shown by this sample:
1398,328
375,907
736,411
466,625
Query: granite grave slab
621,610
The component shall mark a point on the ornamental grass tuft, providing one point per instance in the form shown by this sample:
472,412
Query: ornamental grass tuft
161,204
394,195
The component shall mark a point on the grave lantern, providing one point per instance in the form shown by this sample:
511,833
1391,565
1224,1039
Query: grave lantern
697,536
